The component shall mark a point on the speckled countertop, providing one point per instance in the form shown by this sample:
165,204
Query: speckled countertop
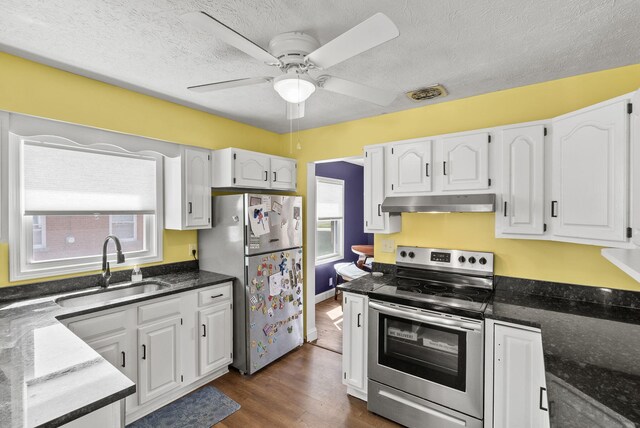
591,345
591,348
48,376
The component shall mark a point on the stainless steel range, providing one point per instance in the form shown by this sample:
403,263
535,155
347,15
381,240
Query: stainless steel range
426,336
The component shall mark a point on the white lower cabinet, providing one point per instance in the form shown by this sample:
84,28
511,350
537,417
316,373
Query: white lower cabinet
159,344
516,393
215,338
109,416
159,368
354,344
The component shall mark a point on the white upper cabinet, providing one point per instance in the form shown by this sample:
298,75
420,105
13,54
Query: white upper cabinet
589,173
375,221
283,173
522,208
251,169
465,163
635,167
236,168
410,167
187,190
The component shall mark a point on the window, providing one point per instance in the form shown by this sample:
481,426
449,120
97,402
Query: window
124,227
329,220
72,197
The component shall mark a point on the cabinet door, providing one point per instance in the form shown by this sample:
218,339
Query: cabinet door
283,174
523,180
354,357
215,337
410,167
374,218
197,181
589,182
251,169
159,365
465,164
520,398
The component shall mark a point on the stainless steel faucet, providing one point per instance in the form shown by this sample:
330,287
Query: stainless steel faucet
106,271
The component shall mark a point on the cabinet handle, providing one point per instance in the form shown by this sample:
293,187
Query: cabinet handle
427,168
144,352
542,391
359,315
124,361
554,207
444,168
266,176
204,333
217,295
275,176
190,205
379,213
505,208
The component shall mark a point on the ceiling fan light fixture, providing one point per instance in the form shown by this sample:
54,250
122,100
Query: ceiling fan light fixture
294,88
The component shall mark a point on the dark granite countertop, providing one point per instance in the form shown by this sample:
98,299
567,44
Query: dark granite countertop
591,347
365,284
48,376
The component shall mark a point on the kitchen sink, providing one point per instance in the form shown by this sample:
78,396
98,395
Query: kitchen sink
114,292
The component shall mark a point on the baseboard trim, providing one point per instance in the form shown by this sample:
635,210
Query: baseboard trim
154,405
325,295
357,393
312,335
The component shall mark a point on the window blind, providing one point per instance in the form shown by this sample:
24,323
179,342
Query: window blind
330,200
68,180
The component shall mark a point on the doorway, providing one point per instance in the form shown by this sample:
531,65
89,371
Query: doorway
335,226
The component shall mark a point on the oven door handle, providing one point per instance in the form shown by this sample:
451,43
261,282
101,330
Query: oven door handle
448,323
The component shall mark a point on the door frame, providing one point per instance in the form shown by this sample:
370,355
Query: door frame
310,245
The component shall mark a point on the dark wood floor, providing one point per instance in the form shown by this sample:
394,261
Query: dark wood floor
329,324
303,389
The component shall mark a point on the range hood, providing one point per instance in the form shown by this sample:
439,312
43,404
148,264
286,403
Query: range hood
485,203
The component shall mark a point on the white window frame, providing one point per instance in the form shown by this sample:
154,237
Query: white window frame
43,230
21,227
339,255
135,228
4,176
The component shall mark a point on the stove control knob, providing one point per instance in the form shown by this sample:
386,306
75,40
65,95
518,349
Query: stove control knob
472,260
411,254
461,259
482,261
403,253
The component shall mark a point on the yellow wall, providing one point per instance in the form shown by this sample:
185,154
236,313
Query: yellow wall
580,264
31,88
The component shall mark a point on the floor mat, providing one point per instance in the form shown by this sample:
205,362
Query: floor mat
200,409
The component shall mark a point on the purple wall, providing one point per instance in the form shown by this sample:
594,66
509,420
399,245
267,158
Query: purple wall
353,176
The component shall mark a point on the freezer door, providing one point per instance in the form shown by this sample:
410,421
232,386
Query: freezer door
277,223
275,306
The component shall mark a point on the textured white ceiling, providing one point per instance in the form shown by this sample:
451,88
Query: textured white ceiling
470,46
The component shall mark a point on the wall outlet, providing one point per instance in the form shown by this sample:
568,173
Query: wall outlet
192,248
388,246
330,282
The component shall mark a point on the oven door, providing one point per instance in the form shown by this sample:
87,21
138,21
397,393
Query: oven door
434,356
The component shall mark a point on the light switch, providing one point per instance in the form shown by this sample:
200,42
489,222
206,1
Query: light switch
388,246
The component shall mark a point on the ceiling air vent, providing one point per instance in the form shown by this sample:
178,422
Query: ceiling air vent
427,93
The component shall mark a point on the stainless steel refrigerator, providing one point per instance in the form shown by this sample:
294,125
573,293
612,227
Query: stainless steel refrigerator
257,238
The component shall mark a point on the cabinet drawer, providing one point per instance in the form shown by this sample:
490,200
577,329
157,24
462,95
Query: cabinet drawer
100,325
158,310
214,294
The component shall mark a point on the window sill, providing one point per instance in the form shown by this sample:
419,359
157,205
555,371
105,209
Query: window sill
331,259
79,268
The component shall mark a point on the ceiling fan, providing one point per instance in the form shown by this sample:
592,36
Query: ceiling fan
296,54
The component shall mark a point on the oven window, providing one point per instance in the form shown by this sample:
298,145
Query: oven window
434,353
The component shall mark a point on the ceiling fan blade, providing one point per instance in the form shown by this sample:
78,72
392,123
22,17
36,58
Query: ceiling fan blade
217,86
357,90
207,22
364,36
295,111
